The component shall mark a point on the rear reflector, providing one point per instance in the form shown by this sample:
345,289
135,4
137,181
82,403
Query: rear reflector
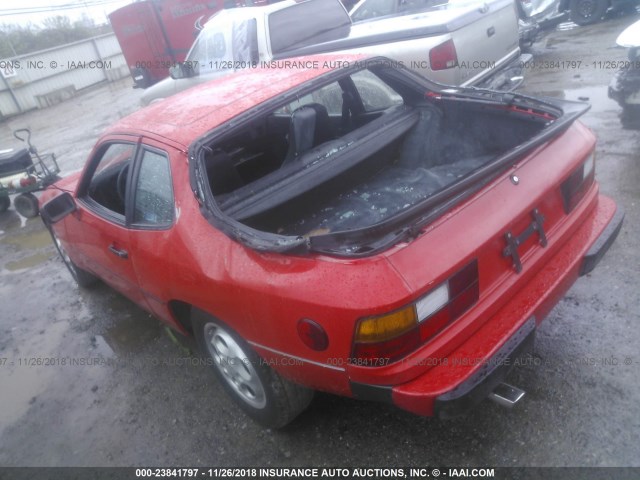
312,334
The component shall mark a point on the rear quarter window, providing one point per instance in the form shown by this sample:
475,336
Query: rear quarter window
154,204
374,93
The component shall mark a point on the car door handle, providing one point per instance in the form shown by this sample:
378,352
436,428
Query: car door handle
120,253
491,31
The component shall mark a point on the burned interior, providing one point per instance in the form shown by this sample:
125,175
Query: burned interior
357,152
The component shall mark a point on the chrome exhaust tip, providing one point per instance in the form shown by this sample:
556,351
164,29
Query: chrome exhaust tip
506,395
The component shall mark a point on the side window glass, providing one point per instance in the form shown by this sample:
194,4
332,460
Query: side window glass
244,42
330,96
409,6
373,9
209,49
375,94
108,184
154,203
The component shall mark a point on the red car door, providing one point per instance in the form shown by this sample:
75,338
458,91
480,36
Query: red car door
99,229
153,214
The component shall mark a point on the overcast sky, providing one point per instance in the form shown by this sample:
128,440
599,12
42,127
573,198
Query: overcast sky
35,11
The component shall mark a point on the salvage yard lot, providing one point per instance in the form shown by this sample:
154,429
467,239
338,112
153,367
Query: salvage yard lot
89,379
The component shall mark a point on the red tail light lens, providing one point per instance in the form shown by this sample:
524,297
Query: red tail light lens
387,338
443,56
575,187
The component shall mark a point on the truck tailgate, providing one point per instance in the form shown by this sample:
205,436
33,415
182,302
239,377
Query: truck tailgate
487,42
485,36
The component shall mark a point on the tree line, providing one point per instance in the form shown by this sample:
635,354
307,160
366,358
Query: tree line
59,30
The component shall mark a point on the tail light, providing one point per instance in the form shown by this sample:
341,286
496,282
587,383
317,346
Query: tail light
387,338
576,186
443,56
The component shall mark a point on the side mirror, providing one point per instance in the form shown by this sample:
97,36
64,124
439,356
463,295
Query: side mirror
56,209
184,70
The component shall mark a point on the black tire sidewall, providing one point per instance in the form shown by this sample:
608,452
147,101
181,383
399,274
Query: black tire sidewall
83,278
601,9
5,203
26,205
275,413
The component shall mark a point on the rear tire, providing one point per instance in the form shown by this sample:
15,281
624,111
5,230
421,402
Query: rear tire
27,205
83,278
5,203
586,12
260,391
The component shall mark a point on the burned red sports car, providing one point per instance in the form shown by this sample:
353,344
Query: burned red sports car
356,230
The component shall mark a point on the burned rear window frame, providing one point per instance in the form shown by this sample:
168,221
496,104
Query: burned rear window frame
372,239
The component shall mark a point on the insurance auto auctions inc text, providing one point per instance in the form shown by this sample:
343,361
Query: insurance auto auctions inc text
373,473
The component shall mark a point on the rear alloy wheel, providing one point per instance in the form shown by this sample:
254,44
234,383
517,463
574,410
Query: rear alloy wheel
83,278
586,12
260,391
5,202
27,205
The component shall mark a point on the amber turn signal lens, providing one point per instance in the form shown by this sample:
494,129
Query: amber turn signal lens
379,329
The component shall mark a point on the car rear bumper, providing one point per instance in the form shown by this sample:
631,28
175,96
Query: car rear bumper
480,384
602,243
474,369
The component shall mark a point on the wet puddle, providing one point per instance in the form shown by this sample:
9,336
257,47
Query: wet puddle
26,375
101,347
27,262
29,240
129,334
595,96
28,246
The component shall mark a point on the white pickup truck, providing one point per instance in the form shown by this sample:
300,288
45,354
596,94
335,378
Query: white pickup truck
456,43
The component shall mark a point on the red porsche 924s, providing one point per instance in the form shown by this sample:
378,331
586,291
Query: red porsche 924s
356,230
